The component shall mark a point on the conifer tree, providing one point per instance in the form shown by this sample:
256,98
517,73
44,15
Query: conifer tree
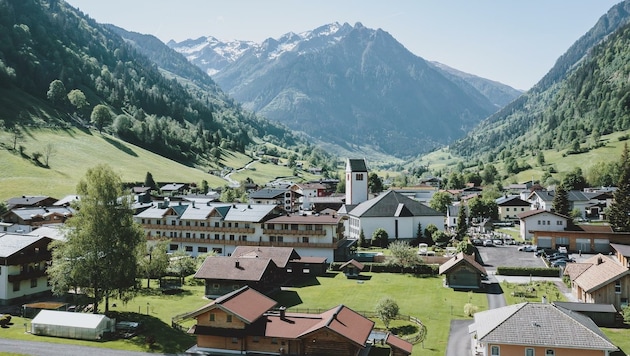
560,201
619,211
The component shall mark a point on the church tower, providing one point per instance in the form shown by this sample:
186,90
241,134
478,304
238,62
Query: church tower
356,181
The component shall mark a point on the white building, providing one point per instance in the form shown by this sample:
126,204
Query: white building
541,220
356,181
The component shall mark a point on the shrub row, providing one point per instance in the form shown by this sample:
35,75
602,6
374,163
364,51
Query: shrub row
424,269
528,271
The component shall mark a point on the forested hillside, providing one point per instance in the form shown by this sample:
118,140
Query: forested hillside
57,65
583,96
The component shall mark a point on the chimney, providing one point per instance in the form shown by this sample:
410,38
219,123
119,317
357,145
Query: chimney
237,264
600,260
283,311
544,299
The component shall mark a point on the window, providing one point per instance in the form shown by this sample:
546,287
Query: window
202,235
216,236
188,235
256,339
494,351
359,176
538,222
507,209
189,248
618,287
559,222
217,250
231,237
548,222
550,353
228,319
274,340
172,247
34,283
280,238
16,286
215,286
529,352
212,317
216,224
305,239
235,340
202,249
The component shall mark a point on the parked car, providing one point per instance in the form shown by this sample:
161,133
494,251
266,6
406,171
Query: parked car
488,243
527,248
477,242
509,241
545,252
559,263
557,256
497,242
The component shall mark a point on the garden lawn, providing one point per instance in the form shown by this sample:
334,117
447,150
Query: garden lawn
423,298
531,292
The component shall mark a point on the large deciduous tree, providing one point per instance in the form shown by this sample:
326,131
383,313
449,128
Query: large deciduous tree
619,211
387,309
56,92
101,116
380,238
99,256
440,201
375,184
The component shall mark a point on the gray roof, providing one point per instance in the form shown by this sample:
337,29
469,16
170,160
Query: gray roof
624,250
13,243
572,195
392,203
539,324
249,212
587,307
512,201
267,193
357,165
29,212
52,231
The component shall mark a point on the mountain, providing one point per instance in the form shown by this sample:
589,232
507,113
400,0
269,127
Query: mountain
57,64
583,96
348,85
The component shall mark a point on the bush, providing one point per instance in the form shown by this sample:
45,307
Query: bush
5,320
528,271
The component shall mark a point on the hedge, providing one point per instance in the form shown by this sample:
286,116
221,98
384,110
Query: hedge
424,269
529,271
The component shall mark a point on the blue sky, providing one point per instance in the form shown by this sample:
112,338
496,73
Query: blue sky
513,42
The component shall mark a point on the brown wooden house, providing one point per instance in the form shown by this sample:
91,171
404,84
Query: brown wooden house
242,322
352,268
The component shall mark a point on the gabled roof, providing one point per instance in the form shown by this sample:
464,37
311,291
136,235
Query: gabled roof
27,200
572,195
391,203
249,212
603,271
54,232
396,342
279,255
11,244
512,201
234,269
245,303
267,193
28,213
354,263
345,322
172,187
536,324
459,259
356,165
527,214
587,307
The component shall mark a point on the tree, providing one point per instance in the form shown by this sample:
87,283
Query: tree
619,210
17,135
441,201
386,310
204,186
540,158
362,242
489,174
375,184
465,247
101,116
482,208
56,92
574,180
403,255
150,182
440,238
429,231
153,261
560,202
380,238
49,152
78,99
182,264
99,256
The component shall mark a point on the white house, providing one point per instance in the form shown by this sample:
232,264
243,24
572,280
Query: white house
541,220
398,214
23,261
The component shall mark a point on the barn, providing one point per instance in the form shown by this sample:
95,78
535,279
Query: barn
72,325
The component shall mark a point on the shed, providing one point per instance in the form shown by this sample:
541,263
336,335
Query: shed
601,314
463,272
352,268
72,325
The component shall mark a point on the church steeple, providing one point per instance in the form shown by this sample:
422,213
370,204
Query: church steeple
356,181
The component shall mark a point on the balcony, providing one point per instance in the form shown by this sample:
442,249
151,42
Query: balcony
294,232
213,242
27,275
240,230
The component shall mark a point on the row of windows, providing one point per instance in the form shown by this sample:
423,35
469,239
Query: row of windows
295,227
16,285
515,209
548,222
196,223
496,351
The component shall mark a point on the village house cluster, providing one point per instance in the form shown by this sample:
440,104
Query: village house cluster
288,231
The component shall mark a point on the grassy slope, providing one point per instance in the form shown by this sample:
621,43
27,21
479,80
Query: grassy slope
76,151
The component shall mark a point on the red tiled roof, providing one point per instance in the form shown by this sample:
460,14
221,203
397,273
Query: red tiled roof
236,269
396,342
245,303
280,255
353,262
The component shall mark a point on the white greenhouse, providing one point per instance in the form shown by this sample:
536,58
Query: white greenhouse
72,325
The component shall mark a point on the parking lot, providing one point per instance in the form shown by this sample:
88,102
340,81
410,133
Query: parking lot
508,255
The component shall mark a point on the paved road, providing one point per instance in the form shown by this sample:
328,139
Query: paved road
458,339
36,348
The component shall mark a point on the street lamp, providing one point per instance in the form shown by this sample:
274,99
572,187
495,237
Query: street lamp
147,308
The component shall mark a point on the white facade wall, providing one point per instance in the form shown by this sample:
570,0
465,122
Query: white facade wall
541,222
407,226
356,187
7,292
